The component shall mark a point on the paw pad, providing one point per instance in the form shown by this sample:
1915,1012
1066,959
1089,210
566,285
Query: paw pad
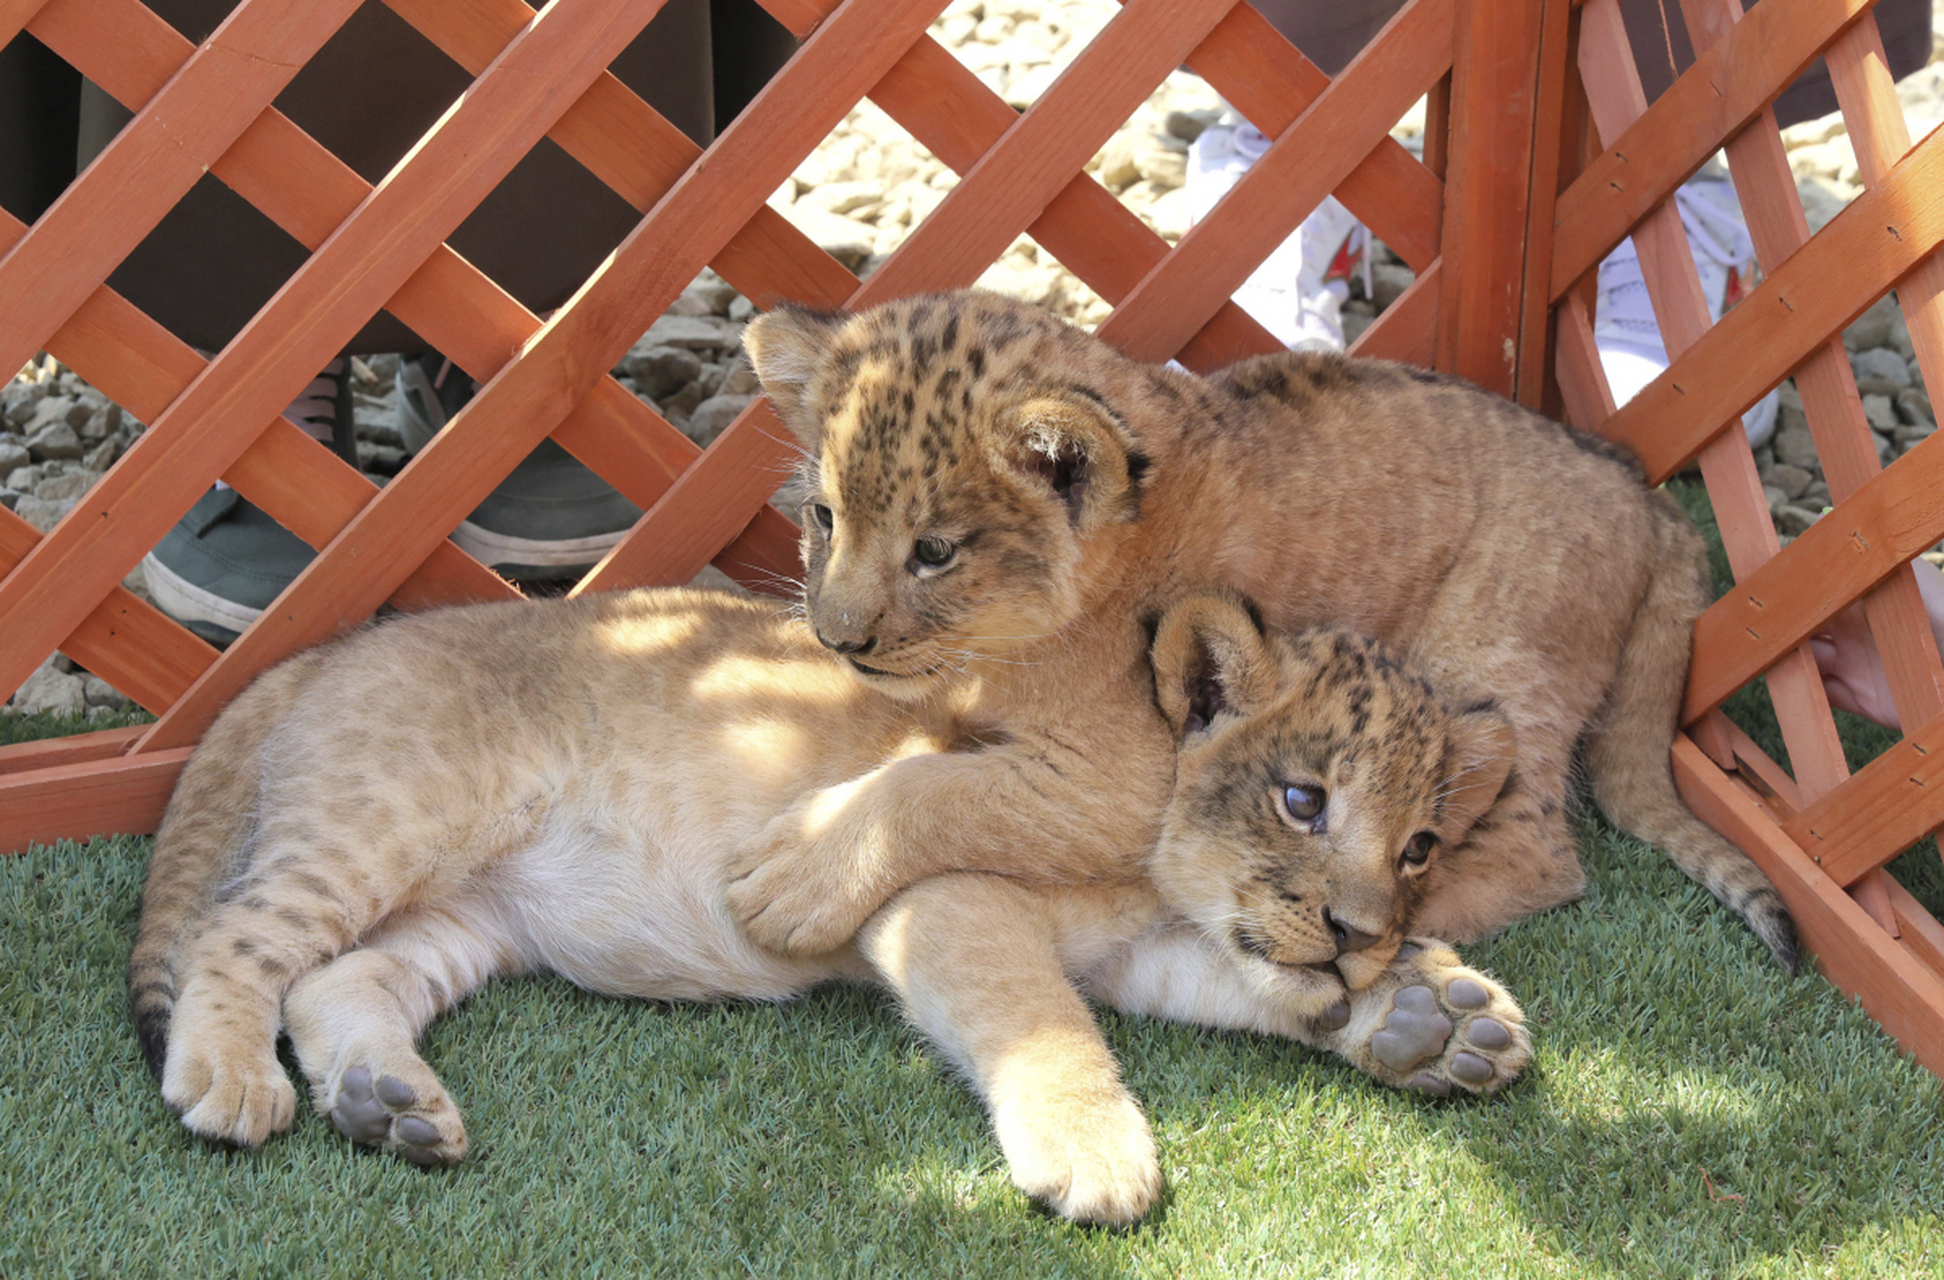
1416,1029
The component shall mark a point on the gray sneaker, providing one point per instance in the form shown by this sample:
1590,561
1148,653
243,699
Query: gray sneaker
224,562
551,518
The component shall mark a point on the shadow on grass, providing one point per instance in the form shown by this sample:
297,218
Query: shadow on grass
1677,1070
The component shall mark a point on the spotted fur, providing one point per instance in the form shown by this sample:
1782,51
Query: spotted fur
1505,556
567,794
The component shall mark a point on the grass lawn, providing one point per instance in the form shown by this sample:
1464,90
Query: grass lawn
1690,1111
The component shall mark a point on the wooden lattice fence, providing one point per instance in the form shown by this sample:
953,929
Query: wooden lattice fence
1522,95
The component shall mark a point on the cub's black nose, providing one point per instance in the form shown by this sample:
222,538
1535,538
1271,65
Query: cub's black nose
1348,937
848,646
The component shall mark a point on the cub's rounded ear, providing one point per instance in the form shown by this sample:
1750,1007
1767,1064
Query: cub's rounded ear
1209,656
786,348
1076,448
1478,760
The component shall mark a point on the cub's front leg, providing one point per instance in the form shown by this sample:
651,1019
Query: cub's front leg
976,963
807,882
1430,1023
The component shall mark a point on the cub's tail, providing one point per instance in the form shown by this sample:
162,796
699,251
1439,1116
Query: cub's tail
204,843
1627,749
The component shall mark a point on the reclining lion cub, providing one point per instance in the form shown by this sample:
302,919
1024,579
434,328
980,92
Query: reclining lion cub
576,775
995,497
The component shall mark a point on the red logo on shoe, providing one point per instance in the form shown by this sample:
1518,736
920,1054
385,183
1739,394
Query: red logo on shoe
1343,266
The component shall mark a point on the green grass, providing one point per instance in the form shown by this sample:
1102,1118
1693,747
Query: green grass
1690,1112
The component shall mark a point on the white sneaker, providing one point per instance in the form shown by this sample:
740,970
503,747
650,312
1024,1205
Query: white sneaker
1624,329
1298,292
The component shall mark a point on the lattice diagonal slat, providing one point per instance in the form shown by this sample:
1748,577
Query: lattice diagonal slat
1823,835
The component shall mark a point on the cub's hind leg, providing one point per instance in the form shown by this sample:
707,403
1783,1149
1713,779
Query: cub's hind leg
974,961
355,1025
295,909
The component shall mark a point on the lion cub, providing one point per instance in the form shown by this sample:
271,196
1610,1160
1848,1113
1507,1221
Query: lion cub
994,498
572,778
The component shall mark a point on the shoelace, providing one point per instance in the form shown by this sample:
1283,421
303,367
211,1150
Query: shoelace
1715,234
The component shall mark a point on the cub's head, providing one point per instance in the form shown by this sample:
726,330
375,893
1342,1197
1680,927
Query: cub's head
1317,783
959,452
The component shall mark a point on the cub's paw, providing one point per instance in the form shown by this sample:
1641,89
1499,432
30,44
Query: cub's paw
1089,1161
793,895
402,1108
1434,1024
242,1097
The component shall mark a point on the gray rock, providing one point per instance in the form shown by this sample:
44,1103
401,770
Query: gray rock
683,402
691,333
103,455
1914,407
55,440
740,380
1880,370
1792,481
100,424
659,370
1881,413
1389,281
43,513
1872,328
742,310
18,400
1188,125
13,455
1165,167
1914,434
707,420
100,694
51,409
1793,521
51,690
710,379
843,197
845,239
1794,445
10,498
24,478
68,486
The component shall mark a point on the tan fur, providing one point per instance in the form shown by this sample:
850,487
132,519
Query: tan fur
377,827
1516,562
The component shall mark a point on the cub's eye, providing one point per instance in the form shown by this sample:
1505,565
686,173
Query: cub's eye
933,553
820,516
1417,850
1303,803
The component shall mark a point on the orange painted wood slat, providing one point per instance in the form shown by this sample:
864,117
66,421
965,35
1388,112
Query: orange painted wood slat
1728,85
76,800
1408,329
1095,236
309,192
1859,71
76,748
14,17
1493,106
1616,101
1889,805
574,350
1268,80
1890,520
1882,235
206,428
1918,929
1309,159
1898,990
1019,176
1558,30
703,510
1582,379
766,556
151,164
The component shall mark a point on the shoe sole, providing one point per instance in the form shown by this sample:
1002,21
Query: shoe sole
194,606
502,549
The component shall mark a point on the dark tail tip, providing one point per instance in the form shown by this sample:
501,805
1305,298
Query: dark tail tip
1769,917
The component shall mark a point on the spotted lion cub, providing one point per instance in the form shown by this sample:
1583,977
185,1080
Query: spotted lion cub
576,775
995,497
